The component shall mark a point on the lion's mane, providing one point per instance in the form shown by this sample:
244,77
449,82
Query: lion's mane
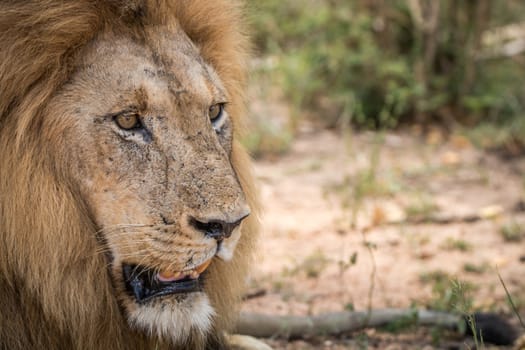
55,292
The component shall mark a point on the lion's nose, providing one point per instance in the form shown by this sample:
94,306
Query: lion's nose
218,229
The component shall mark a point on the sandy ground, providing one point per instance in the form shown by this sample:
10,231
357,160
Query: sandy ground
316,256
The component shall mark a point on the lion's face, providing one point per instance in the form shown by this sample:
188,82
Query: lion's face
145,131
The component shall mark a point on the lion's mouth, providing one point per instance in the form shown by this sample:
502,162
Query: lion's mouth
145,284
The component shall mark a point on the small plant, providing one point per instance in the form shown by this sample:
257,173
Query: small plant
345,265
457,244
476,268
436,334
464,305
312,265
418,239
362,341
511,301
508,136
512,232
421,209
445,296
366,182
349,307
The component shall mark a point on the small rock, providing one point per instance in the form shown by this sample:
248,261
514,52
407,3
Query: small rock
499,261
394,347
520,206
520,343
491,211
245,342
328,343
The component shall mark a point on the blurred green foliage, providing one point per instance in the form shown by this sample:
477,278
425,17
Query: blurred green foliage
376,63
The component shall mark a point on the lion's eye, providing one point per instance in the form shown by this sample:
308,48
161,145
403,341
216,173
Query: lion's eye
215,112
128,121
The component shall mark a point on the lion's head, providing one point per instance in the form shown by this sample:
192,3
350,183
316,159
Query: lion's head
125,197
146,139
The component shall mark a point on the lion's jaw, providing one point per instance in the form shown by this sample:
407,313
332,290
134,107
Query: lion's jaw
177,319
155,190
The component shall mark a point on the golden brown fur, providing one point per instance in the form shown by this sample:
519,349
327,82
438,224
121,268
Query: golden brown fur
55,290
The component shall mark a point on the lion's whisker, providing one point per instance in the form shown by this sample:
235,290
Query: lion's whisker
112,228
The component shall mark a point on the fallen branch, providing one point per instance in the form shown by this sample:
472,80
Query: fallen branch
492,327
259,325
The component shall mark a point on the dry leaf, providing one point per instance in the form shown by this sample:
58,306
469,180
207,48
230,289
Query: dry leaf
425,255
450,158
378,216
500,262
491,211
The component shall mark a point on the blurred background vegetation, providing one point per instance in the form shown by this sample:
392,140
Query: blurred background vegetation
379,64
424,204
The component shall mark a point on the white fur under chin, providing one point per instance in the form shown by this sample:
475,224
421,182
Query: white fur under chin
175,320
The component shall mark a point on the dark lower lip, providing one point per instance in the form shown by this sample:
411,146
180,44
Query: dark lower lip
142,284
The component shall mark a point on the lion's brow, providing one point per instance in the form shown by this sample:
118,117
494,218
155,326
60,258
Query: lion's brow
141,96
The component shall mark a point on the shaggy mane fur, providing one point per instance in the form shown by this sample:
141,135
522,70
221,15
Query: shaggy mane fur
55,292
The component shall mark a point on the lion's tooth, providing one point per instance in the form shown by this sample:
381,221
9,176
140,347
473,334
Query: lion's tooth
200,269
169,276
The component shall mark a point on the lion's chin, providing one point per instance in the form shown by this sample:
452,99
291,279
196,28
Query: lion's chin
175,317
170,305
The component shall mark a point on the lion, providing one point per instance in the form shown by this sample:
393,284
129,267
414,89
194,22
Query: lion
128,211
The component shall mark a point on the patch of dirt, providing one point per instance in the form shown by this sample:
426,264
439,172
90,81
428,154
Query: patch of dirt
349,222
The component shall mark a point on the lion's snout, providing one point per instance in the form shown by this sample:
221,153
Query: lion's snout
219,228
